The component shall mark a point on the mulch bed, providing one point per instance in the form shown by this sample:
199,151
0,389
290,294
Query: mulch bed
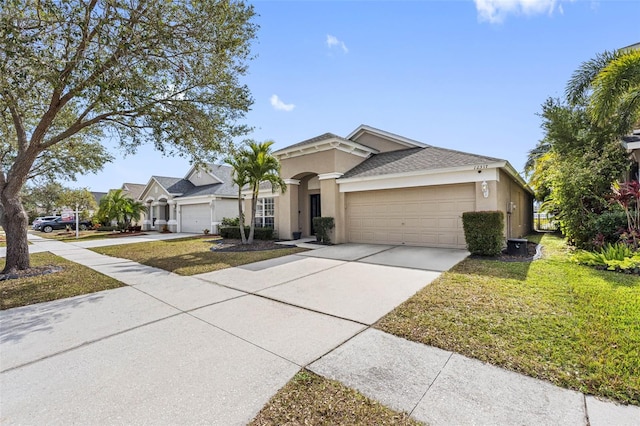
31,272
227,245
504,257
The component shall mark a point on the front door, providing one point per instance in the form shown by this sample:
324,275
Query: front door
314,208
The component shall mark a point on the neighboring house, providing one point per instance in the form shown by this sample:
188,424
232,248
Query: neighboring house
387,189
632,145
134,191
191,204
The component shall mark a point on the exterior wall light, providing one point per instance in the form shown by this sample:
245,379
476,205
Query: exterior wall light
485,189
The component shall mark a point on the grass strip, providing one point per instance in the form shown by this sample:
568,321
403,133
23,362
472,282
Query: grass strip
73,280
189,256
572,325
309,399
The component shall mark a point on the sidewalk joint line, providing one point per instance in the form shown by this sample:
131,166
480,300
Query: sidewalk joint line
432,382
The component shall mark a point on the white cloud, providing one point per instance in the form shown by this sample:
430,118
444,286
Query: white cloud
332,41
495,11
279,105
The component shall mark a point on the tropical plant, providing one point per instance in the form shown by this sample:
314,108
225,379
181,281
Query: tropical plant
116,206
262,166
610,83
613,257
162,72
627,196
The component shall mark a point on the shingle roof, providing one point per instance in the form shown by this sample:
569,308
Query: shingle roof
174,185
227,187
320,138
134,189
415,159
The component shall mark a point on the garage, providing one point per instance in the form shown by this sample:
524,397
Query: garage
195,217
421,216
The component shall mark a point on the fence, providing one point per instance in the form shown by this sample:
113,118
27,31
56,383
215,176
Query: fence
544,222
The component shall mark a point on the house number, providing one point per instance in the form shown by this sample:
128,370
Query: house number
482,166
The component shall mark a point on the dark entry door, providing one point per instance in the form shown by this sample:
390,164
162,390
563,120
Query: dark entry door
314,208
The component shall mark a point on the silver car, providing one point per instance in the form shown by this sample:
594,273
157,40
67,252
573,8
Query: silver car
39,220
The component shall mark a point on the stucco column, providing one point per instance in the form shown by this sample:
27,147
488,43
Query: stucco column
288,216
172,223
146,223
332,205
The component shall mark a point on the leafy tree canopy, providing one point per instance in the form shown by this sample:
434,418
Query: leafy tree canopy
136,71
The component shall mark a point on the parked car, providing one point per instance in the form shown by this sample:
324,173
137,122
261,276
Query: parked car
58,223
38,220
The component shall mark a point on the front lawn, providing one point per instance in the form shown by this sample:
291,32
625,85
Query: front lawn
551,319
73,280
62,235
189,256
309,399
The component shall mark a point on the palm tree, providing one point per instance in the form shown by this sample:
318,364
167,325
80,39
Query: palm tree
238,161
610,85
262,166
117,206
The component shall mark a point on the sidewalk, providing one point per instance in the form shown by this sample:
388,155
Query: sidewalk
214,348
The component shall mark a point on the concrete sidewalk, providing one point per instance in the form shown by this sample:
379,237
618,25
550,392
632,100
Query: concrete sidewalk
214,348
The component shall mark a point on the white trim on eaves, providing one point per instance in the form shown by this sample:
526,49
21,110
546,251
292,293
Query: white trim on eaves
326,145
422,178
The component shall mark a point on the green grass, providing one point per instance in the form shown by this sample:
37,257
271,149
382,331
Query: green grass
189,256
552,319
309,399
62,235
73,280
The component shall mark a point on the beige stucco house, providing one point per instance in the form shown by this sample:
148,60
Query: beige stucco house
384,188
198,201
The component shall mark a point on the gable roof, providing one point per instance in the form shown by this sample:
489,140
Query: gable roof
415,159
174,186
133,189
324,142
363,128
181,188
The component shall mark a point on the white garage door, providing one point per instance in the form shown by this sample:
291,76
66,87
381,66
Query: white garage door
424,216
195,217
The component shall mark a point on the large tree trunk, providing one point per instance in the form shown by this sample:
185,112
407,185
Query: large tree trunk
14,220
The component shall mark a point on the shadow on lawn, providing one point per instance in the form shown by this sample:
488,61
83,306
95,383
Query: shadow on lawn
493,268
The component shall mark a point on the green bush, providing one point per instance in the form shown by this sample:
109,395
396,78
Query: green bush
234,232
109,228
323,225
609,224
483,232
230,221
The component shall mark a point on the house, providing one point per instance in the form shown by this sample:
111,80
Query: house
632,144
196,202
383,188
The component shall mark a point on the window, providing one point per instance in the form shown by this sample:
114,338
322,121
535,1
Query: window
265,211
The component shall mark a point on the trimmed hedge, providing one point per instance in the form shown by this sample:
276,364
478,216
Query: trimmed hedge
323,226
483,232
234,232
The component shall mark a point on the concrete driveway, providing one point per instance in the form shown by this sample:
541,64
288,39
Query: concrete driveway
211,349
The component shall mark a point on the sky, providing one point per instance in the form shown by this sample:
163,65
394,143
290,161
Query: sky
464,75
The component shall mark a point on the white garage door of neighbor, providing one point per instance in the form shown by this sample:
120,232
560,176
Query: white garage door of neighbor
195,217
423,216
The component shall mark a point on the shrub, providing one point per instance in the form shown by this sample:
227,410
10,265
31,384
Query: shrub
230,221
107,228
483,232
609,225
234,232
323,225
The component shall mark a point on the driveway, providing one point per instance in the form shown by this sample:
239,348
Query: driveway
212,348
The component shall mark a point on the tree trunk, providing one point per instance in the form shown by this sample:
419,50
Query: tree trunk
252,225
14,220
243,238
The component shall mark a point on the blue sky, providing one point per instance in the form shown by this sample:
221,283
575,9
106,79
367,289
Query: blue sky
464,75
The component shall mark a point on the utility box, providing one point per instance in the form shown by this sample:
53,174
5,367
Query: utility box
517,247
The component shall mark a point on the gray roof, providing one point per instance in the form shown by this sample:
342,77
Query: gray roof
174,185
325,136
185,188
415,159
134,189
